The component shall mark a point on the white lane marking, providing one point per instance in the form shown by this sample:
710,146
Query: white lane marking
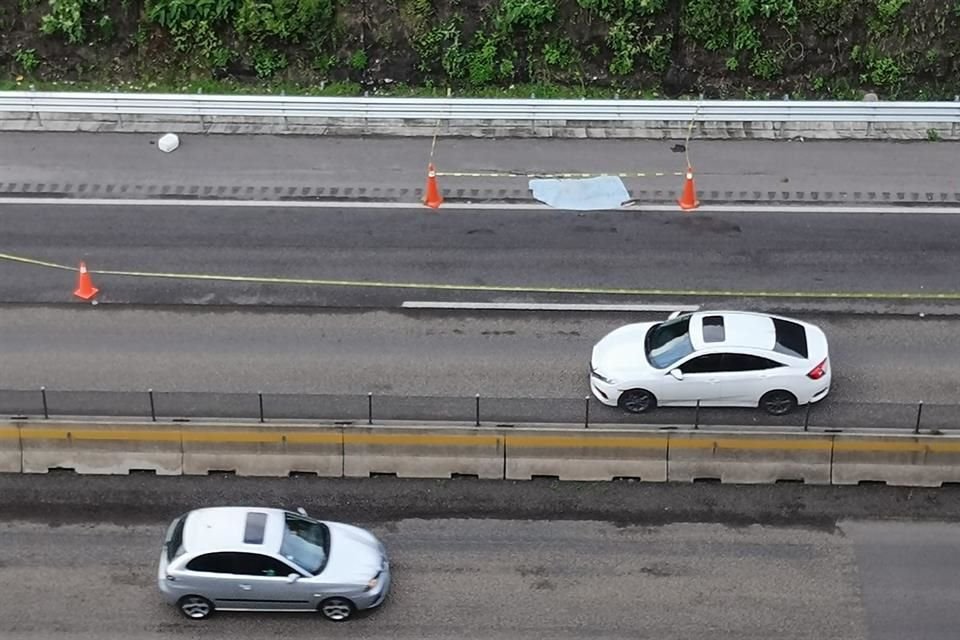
480,206
546,306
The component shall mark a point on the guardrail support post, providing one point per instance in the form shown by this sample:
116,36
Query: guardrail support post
260,399
43,394
369,407
586,412
916,428
478,411
696,417
153,408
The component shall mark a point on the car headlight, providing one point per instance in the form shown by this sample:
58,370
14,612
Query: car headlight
373,582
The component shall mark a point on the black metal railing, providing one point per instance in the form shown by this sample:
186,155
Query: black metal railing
479,410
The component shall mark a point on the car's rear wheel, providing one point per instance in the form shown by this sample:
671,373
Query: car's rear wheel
337,609
195,607
778,403
637,401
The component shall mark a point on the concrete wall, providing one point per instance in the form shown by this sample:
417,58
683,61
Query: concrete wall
714,130
444,451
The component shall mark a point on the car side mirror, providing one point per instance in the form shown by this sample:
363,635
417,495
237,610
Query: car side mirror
293,577
675,314
301,511
676,373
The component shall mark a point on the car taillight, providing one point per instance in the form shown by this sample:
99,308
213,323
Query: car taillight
818,371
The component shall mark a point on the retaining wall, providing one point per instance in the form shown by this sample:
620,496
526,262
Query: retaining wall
644,130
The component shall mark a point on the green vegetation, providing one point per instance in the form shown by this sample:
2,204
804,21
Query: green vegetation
901,49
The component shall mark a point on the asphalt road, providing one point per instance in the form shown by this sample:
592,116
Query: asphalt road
82,553
824,253
290,161
526,366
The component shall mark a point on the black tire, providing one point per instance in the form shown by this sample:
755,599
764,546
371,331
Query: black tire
195,607
337,609
778,402
637,401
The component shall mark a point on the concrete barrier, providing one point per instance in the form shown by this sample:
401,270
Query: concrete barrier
913,461
740,458
593,455
104,448
422,452
10,459
262,451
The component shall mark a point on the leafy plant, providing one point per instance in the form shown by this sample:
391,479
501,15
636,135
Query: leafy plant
358,60
176,15
288,21
267,62
27,59
767,64
66,17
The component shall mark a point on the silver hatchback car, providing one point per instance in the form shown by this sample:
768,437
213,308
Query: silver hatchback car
253,559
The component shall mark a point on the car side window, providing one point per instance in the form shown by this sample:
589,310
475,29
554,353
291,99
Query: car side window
243,564
211,563
257,564
746,362
709,363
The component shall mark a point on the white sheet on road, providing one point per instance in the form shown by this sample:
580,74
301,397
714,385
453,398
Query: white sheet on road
580,194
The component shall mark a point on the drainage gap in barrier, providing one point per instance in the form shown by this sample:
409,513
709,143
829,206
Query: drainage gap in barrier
143,472
505,426
872,483
667,428
221,472
64,471
706,480
790,481
383,474
950,485
180,420
627,479
464,476
19,417
302,474
833,430
343,423
545,477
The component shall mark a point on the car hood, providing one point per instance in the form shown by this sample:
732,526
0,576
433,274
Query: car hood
355,555
621,350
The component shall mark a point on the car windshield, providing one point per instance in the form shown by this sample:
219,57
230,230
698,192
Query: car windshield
306,543
668,342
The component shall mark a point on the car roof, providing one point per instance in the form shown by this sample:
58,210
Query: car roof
740,330
233,529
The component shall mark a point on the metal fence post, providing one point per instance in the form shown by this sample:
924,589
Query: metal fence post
916,428
586,412
369,407
260,399
696,417
478,410
153,408
806,417
43,394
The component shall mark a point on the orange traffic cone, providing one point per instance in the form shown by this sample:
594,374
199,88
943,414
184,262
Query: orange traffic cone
85,289
432,198
688,199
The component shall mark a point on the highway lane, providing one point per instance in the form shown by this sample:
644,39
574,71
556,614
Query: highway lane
747,252
515,579
107,158
526,366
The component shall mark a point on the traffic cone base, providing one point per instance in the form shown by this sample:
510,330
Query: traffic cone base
688,199
432,197
85,289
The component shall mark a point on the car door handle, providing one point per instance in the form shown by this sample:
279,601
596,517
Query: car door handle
246,587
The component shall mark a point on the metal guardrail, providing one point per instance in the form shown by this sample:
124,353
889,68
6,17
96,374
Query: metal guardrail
447,109
479,410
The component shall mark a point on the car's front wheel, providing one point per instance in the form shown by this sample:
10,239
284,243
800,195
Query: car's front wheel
637,401
336,609
778,403
195,607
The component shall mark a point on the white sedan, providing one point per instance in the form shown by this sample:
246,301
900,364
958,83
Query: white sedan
719,358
